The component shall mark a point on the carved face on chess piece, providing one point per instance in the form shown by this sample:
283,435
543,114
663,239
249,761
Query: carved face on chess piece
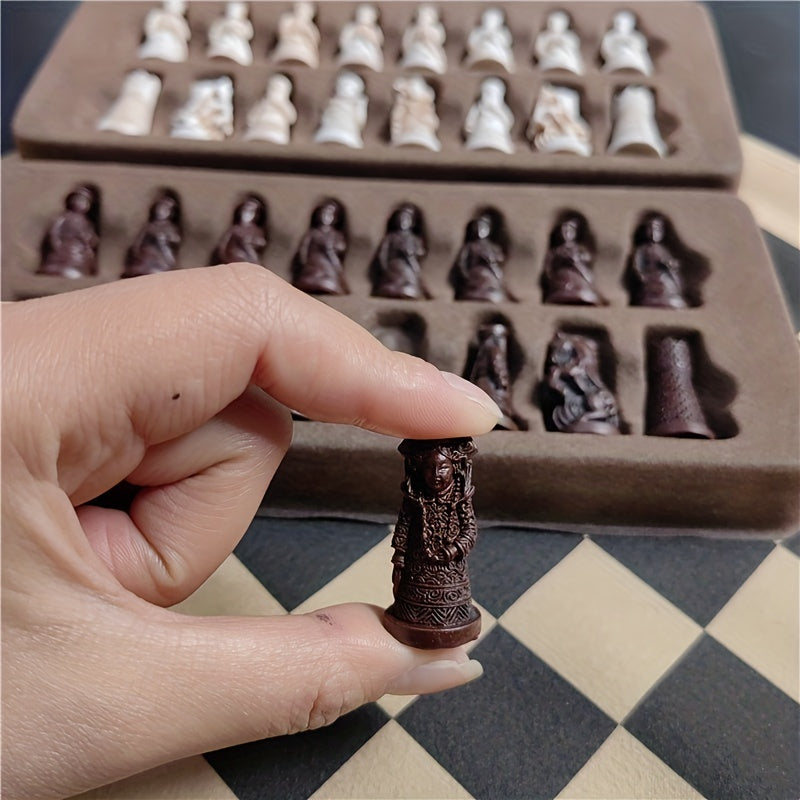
489,43
478,271
576,400
319,263
435,531
568,276
69,248
230,35
656,274
397,269
558,47
361,41
246,238
489,121
155,249
623,47
166,33
272,117
423,42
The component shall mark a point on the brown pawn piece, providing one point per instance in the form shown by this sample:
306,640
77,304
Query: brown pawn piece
246,239
396,270
577,400
656,274
69,249
435,531
568,278
155,249
478,271
673,408
318,266
490,372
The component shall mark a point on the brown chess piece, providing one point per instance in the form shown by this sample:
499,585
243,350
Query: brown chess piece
319,266
576,398
155,248
568,277
490,372
397,271
673,408
478,271
246,239
69,249
656,274
435,531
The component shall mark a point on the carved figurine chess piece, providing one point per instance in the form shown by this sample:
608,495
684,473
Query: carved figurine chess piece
272,117
558,47
655,274
156,246
478,271
396,270
635,128
132,112
435,531
298,36
319,263
556,125
489,121
673,408
623,47
229,36
490,372
423,42
208,113
166,33
361,41
345,115
489,42
413,118
246,238
69,248
568,276
576,398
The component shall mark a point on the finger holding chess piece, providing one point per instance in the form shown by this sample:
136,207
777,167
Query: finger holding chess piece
156,246
69,248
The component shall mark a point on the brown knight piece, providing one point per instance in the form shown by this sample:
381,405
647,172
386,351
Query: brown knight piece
246,238
69,249
435,531
155,248
319,264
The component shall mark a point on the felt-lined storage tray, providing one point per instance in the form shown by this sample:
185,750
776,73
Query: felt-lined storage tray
85,72
746,360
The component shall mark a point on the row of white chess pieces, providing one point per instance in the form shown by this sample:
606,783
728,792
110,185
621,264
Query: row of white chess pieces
555,125
557,46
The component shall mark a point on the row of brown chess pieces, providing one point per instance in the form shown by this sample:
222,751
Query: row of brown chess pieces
656,273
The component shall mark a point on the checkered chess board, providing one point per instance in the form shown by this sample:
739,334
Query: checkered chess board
615,667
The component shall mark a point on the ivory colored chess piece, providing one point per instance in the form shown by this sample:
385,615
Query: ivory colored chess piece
635,128
69,248
345,116
423,42
556,125
623,47
298,36
361,41
489,121
132,112
166,33
272,117
208,113
489,42
558,47
413,118
230,35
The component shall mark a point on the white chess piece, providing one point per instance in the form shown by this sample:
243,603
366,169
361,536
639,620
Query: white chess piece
166,33
635,129
558,47
272,117
345,116
623,47
132,111
423,42
489,121
490,42
229,36
208,114
413,118
298,36
361,41
556,125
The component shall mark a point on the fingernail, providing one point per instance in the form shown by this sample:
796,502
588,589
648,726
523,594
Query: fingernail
435,677
472,392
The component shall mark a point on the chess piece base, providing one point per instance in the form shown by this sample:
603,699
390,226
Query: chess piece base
427,638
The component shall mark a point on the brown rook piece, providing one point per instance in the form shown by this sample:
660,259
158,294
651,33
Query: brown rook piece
246,239
435,531
656,274
568,275
156,246
397,271
69,249
319,266
478,271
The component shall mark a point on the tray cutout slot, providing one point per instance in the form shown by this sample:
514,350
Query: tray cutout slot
403,331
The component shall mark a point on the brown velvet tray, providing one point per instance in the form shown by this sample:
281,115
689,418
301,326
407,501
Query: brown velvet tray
84,74
747,377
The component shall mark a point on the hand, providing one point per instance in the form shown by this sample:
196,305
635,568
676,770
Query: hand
180,383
